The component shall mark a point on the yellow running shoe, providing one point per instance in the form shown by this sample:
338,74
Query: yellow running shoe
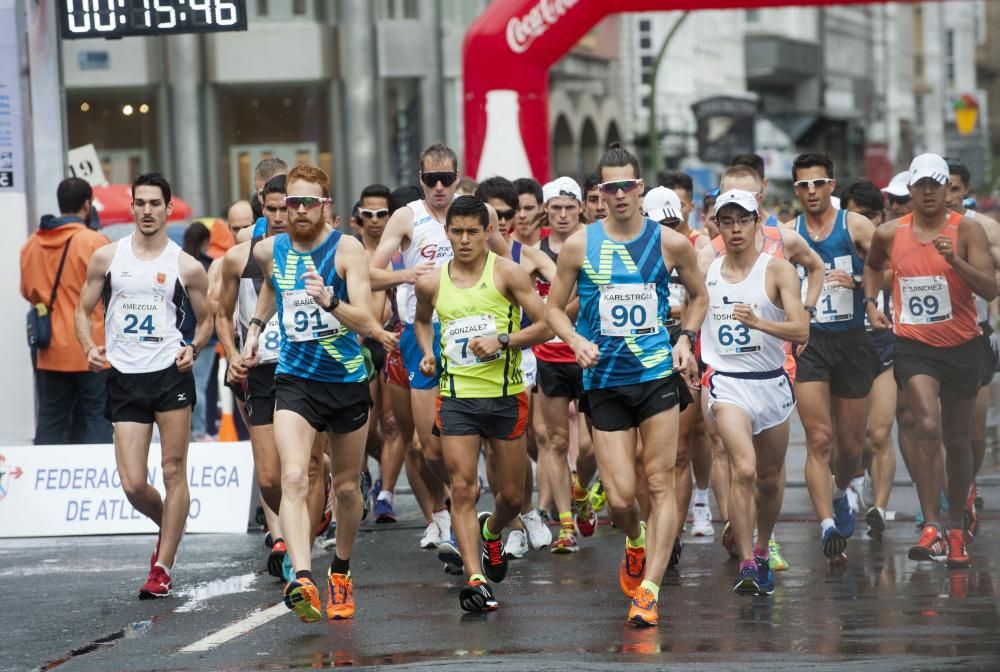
341,603
777,562
598,498
302,597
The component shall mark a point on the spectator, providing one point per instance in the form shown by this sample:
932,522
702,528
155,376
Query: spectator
196,242
70,398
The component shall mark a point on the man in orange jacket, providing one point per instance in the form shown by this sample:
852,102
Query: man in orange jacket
70,398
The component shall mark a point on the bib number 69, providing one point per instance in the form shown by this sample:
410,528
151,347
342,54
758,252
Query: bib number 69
919,305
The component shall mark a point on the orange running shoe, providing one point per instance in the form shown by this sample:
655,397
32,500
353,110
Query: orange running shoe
930,546
632,570
341,604
643,610
958,557
302,597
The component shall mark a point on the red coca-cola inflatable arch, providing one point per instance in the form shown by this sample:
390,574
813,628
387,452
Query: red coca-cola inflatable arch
507,54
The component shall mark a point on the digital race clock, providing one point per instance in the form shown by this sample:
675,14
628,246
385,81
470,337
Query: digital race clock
120,18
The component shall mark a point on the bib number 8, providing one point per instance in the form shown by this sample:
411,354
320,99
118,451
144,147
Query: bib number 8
920,305
622,315
734,335
133,326
272,340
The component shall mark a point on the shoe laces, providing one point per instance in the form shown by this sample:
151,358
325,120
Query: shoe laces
340,588
956,543
635,560
929,536
494,551
644,599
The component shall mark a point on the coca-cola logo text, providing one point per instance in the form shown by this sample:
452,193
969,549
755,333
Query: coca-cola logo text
521,32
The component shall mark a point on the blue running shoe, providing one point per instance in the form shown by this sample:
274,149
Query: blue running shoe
384,512
746,582
366,491
765,577
834,543
843,516
377,488
286,568
448,552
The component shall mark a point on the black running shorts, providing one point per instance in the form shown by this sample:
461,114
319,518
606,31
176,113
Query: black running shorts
988,341
335,407
560,380
503,418
884,343
619,408
260,394
138,397
957,369
847,360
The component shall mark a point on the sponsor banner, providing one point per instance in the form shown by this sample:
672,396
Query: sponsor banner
76,490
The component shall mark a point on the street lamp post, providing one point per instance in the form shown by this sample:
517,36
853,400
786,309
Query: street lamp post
656,161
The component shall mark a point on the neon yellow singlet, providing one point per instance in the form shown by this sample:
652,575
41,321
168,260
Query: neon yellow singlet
466,314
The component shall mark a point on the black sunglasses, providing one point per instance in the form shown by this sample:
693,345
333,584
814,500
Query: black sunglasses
446,178
506,215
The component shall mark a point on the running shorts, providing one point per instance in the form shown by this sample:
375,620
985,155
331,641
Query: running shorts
767,397
504,418
529,366
560,380
138,397
412,355
336,407
259,387
846,360
619,408
884,343
958,370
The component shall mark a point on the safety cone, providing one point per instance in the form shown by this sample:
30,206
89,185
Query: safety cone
227,425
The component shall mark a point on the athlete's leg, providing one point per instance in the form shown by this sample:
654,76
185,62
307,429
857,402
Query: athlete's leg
926,464
507,459
541,456
881,413
319,467
131,457
461,455
814,412
424,404
956,427
771,446
555,410
175,433
295,437
978,438
659,439
682,467
399,398
586,460
348,454
392,442
737,436
701,449
616,460
267,466
851,422
721,481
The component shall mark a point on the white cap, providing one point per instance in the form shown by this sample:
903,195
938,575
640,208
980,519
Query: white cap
899,184
929,165
561,186
745,199
662,203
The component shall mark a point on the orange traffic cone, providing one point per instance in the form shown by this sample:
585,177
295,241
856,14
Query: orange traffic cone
227,425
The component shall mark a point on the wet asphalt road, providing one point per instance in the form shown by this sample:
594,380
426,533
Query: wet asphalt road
69,605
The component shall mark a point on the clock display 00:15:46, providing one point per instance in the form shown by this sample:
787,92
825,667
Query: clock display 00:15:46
118,18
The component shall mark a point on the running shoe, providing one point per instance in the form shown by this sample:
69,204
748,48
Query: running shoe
702,526
341,602
156,553
976,498
432,536
366,493
384,512
765,577
276,558
775,559
157,585
875,517
867,491
586,517
268,539
643,610
494,559
834,542
930,546
516,545
566,543
476,596
843,516
448,552
443,520
746,582
728,541
302,597
970,519
853,498
539,533
675,555
958,557
598,498
632,570
286,568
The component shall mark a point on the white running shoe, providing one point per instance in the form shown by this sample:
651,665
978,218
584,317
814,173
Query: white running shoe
853,498
539,533
702,526
868,491
516,545
432,536
443,520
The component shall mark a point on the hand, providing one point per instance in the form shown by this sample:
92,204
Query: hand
945,249
316,288
237,371
587,353
684,361
878,319
411,274
185,358
388,339
428,365
96,359
840,278
251,353
745,314
801,348
484,347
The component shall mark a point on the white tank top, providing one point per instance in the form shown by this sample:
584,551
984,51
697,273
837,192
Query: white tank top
429,243
143,309
729,346
251,280
982,305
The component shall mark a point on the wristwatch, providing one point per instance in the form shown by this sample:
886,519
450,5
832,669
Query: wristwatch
811,310
692,336
194,351
504,341
259,322
869,299
334,302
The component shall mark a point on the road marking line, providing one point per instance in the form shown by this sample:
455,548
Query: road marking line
236,629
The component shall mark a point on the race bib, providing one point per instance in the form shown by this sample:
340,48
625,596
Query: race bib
141,320
678,292
731,336
925,300
459,333
270,341
836,304
303,320
628,310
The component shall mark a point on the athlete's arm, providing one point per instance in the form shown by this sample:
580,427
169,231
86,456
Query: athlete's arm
517,286
195,281
975,266
213,285
536,262
398,229
861,231
90,294
798,252
267,302
426,289
782,285
879,253
677,251
567,268
228,289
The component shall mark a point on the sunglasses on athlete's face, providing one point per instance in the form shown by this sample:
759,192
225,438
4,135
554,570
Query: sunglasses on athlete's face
817,183
373,214
506,215
446,178
310,202
623,185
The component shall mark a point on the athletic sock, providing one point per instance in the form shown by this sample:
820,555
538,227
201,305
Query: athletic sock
338,566
651,587
477,577
163,567
385,495
746,563
580,491
700,496
640,541
825,524
487,535
305,574
566,520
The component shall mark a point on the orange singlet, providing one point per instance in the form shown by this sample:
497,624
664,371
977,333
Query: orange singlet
931,302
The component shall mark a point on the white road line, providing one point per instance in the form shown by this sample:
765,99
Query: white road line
236,629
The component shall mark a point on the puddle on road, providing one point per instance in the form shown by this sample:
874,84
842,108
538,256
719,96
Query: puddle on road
196,596
130,631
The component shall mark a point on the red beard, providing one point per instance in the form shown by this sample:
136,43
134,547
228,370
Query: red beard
300,233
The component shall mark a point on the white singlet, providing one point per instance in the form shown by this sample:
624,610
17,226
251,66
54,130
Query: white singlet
143,309
251,281
429,243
